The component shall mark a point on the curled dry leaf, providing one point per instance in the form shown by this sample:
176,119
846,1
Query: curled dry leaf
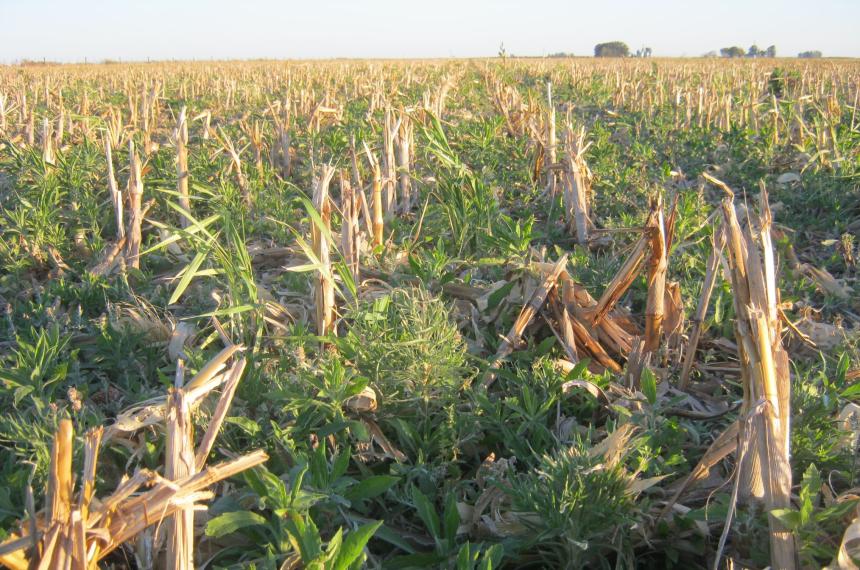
788,178
589,387
824,335
614,447
364,401
848,556
639,485
141,321
379,438
725,444
179,336
849,422
826,282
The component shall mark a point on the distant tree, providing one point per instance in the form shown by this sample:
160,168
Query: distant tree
561,54
754,51
809,54
34,63
711,53
770,51
611,49
643,52
734,51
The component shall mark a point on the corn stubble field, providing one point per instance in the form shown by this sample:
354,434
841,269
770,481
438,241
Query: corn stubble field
438,314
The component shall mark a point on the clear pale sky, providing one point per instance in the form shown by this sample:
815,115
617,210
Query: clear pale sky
74,30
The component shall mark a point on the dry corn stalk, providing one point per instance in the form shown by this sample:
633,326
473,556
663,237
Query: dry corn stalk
3,111
389,165
60,485
576,187
147,127
207,120
47,142
618,326
638,361
353,153
586,340
86,535
509,105
255,134
115,126
702,308
324,285
627,274
765,474
78,535
551,148
512,339
179,463
724,445
613,333
565,335
22,107
59,132
281,150
322,110
404,145
152,412
350,236
361,196
435,102
30,130
656,279
363,402
135,199
235,164
217,418
180,136
115,194
673,322
378,223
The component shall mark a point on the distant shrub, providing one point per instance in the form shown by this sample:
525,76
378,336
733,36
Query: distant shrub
734,51
611,49
34,63
809,54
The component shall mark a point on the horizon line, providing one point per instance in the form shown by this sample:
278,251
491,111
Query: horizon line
23,62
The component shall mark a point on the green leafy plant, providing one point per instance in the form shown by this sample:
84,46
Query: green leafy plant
288,527
38,367
817,527
576,508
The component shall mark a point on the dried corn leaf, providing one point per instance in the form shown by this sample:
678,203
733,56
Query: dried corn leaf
364,401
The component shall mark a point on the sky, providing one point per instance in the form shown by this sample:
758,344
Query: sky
94,30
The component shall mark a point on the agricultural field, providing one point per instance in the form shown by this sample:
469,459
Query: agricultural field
469,314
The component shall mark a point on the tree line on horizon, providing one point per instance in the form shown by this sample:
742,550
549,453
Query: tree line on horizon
604,49
621,49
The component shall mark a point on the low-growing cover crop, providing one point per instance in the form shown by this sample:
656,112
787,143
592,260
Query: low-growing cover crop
439,314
